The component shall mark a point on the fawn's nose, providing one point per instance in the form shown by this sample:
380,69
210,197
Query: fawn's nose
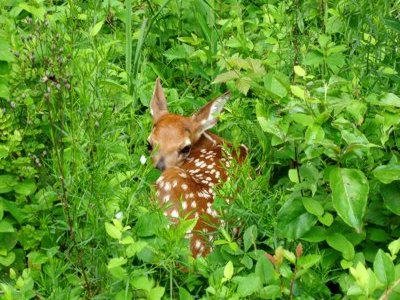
161,164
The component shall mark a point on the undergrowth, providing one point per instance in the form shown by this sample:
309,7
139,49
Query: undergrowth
315,88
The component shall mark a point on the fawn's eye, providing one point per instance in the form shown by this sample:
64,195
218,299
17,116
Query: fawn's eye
185,150
149,147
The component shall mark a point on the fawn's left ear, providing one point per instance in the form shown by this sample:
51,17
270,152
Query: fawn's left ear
207,116
158,104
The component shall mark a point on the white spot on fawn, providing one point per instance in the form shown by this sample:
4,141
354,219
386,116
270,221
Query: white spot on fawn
197,244
184,205
175,214
167,187
166,198
184,186
193,204
174,183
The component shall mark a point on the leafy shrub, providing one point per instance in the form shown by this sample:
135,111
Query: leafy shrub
316,99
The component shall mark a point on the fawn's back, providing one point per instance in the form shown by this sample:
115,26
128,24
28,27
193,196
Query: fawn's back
193,161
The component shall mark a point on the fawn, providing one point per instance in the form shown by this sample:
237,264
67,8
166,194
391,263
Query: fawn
192,161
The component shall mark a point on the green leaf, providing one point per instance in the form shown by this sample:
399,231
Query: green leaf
96,28
390,99
293,220
314,134
249,237
394,247
5,226
326,219
313,206
313,58
5,53
7,183
299,92
8,259
339,242
26,188
248,285
225,77
156,293
350,190
275,86
387,173
142,283
116,262
392,23
134,248
391,196
299,71
293,176
307,261
179,52
113,231
316,235
184,294
265,270
384,268
228,270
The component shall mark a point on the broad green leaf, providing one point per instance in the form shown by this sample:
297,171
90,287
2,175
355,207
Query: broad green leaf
299,71
7,183
307,261
299,92
96,28
313,58
184,294
387,173
384,268
248,285
302,119
156,293
391,196
293,220
5,226
390,99
350,190
228,270
394,247
8,259
113,231
317,234
249,237
116,262
134,248
314,134
265,270
142,283
179,52
26,188
36,10
313,206
243,84
326,219
4,150
293,176
339,242
275,86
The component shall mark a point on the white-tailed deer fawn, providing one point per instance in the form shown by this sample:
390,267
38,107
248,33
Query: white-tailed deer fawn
193,161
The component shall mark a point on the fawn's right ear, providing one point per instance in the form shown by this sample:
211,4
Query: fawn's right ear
158,104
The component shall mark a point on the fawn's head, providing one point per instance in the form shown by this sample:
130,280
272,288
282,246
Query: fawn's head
173,136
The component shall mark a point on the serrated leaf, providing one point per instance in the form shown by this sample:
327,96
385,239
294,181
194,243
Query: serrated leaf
243,84
340,243
178,52
350,190
113,231
225,77
384,268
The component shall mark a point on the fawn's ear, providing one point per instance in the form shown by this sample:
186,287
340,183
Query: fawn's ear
158,104
207,116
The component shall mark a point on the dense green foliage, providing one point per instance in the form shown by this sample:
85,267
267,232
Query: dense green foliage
316,98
